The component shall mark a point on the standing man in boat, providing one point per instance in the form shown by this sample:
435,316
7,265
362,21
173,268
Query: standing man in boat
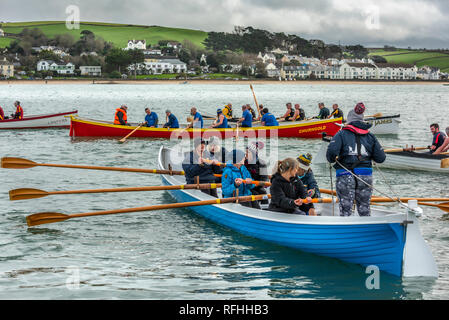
151,119
305,174
337,113
237,177
19,111
438,137
172,121
221,121
287,192
290,113
353,149
121,117
299,113
268,120
247,119
196,165
445,146
197,121
324,112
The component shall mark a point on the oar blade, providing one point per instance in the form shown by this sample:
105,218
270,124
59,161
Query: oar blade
26,193
17,163
445,163
45,217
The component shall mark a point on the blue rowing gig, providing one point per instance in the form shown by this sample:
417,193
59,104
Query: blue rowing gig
390,240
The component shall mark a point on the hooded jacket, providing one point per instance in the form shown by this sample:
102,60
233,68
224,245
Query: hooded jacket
284,193
228,187
344,145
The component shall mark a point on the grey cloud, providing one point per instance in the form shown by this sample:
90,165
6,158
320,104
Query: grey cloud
425,25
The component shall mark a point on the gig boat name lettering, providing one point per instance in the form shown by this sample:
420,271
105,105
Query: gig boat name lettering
312,129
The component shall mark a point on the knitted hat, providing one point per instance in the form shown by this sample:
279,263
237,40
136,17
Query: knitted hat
353,116
304,161
359,108
219,111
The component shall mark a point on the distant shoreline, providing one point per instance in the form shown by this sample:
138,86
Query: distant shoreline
243,82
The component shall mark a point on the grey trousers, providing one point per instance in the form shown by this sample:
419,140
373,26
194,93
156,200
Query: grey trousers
349,189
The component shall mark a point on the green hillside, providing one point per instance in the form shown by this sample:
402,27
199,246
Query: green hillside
119,34
419,58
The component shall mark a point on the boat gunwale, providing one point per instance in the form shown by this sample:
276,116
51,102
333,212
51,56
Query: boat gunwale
38,117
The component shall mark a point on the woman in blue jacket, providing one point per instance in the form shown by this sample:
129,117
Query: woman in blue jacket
237,177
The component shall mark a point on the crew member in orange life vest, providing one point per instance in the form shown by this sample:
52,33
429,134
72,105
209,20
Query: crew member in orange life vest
19,111
2,114
120,116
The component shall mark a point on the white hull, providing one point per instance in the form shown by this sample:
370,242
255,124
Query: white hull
400,161
384,125
60,120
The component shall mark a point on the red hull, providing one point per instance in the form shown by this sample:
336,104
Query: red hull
308,129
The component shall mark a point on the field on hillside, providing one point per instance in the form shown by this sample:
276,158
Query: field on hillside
4,42
420,58
119,34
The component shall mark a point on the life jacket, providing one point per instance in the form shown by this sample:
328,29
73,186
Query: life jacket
2,115
19,113
227,111
292,113
116,118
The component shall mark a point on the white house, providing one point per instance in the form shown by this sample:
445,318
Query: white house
173,44
62,68
272,71
396,71
358,70
136,44
159,66
267,57
428,73
92,71
231,68
2,33
44,65
279,51
6,68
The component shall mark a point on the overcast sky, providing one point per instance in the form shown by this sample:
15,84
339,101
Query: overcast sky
403,23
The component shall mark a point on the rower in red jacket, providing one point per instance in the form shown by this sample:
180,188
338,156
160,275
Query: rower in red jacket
19,111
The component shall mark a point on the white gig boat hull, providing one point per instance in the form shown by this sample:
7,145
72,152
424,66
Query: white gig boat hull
55,120
390,240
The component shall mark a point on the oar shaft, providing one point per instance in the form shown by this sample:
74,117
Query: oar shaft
72,166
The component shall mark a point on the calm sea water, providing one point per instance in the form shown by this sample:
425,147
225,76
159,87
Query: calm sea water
175,254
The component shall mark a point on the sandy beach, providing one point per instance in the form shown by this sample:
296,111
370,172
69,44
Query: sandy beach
219,82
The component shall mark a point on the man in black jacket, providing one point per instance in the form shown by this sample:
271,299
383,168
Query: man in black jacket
195,165
353,148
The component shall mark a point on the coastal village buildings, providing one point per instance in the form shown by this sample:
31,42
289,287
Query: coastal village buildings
159,65
91,71
6,69
61,68
136,44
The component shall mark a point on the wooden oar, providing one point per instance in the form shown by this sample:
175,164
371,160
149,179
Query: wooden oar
51,217
29,193
376,115
20,163
255,100
124,139
445,163
405,149
443,206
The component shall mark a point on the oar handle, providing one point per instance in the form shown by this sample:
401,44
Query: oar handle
124,139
